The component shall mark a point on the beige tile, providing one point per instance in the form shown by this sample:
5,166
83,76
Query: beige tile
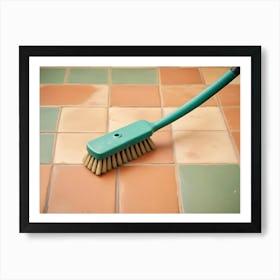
201,118
119,117
83,120
163,152
212,74
71,147
204,147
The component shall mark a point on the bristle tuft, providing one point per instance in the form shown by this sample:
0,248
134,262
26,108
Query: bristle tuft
102,166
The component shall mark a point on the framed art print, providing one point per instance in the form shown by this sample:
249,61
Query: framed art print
204,174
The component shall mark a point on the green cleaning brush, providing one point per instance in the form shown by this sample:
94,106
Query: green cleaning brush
130,142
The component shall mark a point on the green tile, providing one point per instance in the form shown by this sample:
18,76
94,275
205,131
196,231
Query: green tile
52,75
48,118
210,188
46,147
134,76
88,76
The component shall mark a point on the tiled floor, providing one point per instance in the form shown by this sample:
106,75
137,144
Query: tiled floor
195,168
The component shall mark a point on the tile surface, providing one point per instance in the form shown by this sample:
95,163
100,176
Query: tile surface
83,120
45,171
210,188
48,118
76,190
119,117
143,191
163,152
71,147
230,95
46,147
204,147
236,137
88,76
174,96
179,75
134,76
201,118
52,75
79,95
194,168
233,118
137,96
211,74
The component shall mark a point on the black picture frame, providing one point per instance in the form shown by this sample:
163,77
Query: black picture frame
254,52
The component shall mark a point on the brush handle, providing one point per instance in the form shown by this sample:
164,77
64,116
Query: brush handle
198,100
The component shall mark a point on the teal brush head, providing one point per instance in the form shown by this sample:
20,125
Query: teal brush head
130,142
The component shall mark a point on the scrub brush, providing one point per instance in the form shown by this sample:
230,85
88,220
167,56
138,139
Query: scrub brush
130,142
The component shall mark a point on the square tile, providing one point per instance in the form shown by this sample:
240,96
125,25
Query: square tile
203,147
236,137
136,96
45,171
48,118
71,147
146,76
180,75
174,96
46,147
164,150
75,189
88,76
142,190
210,188
119,117
201,118
230,95
83,120
212,74
233,118
77,95
52,75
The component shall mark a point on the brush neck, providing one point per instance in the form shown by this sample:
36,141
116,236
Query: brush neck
197,100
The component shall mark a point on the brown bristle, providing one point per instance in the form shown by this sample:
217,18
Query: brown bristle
147,147
119,159
114,162
124,157
93,169
133,152
138,151
102,166
109,163
142,148
89,166
128,154
151,143
99,167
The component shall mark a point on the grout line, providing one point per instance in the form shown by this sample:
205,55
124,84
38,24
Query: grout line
229,132
47,198
201,75
177,179
67,73
110,77
160,93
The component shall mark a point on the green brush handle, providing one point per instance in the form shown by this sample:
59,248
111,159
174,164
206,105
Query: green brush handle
198,100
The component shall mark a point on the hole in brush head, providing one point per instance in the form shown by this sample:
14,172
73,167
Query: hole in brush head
117,135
